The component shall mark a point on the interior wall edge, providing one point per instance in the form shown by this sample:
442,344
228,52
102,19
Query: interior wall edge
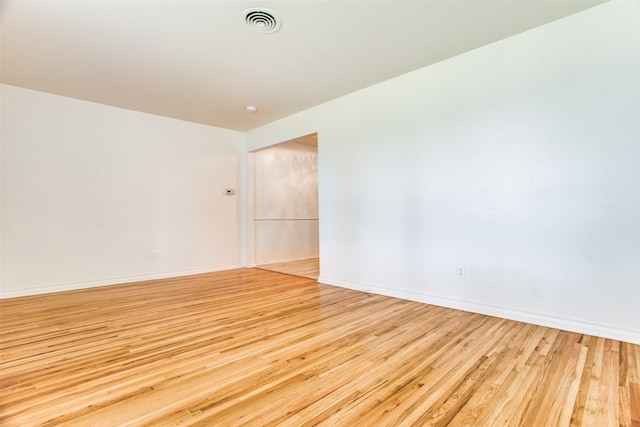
540,319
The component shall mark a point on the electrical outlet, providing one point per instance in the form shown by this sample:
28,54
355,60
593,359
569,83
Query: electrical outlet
461,272
154,254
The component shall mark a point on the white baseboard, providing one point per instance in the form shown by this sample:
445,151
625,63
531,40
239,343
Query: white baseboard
286,259
573,325
343,284
567,324
72,286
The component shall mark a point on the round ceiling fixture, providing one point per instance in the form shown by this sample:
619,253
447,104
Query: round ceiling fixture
261,20
251,108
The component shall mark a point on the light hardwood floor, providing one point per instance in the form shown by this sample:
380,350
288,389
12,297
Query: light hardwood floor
253,347
309,268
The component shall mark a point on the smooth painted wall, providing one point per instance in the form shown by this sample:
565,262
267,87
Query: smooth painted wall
518,161
286,203
90,191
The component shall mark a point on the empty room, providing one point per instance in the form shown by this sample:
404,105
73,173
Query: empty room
336,213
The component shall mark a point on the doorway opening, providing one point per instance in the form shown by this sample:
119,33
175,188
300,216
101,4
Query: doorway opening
286,207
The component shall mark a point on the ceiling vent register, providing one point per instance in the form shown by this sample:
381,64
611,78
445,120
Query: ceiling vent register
261,20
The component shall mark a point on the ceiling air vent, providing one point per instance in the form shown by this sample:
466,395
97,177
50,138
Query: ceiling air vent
261,20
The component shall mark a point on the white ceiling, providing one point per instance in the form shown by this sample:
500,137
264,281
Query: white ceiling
197,61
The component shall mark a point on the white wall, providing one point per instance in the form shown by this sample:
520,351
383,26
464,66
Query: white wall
89,191
286,203
519,161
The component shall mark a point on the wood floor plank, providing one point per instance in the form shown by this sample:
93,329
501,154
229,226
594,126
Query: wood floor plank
256,347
